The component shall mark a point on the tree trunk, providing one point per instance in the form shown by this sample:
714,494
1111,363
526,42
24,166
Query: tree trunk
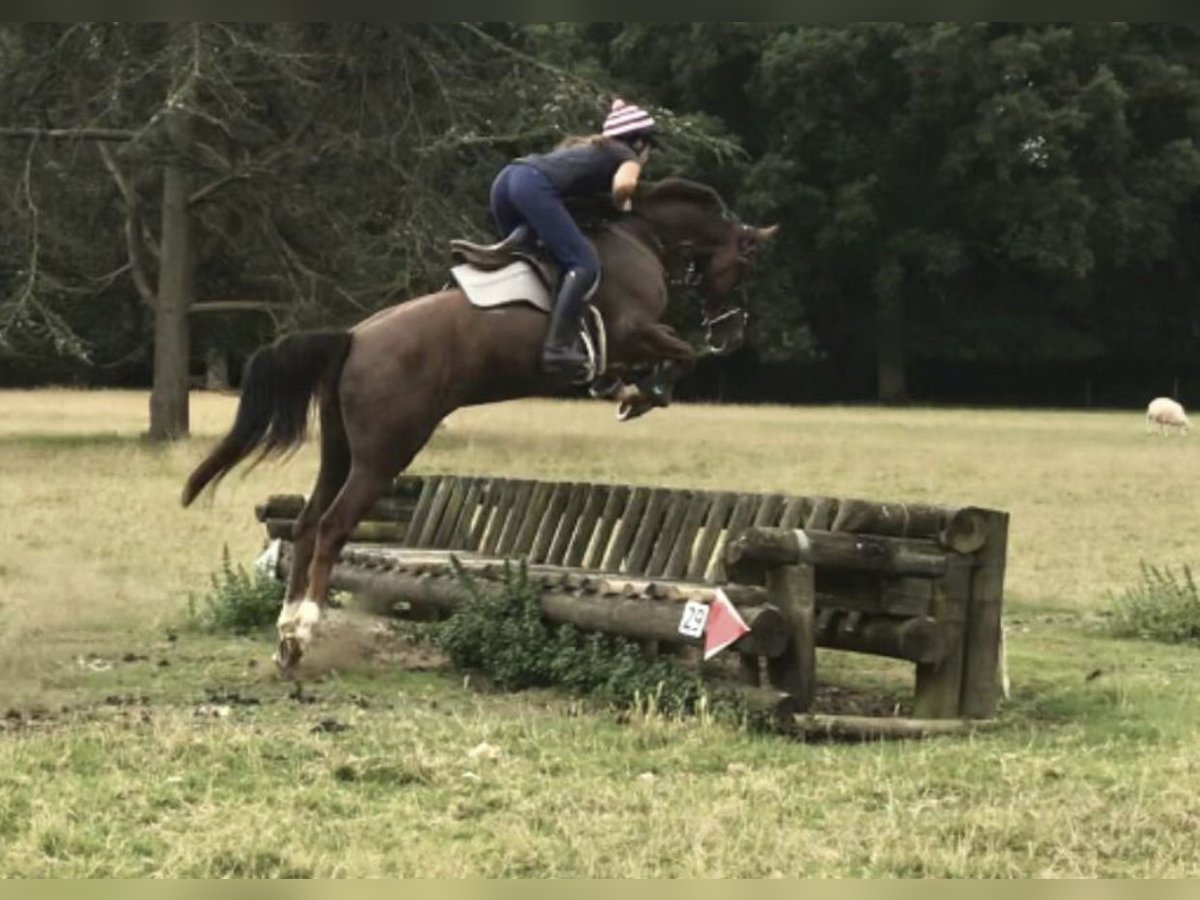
890,348
169,394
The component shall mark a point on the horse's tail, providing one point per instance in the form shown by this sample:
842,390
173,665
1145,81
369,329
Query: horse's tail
277,391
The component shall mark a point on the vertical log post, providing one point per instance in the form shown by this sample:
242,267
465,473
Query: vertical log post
792,589
939,684
981,670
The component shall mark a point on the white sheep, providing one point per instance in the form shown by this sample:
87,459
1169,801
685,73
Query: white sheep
1164,413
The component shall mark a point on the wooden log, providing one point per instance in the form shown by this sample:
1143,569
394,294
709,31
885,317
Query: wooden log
651,620
792,589
631,518
681,553
961,529
570,522
586,529
634,586
795,511
919,639
429,488
939,682
821,513
770,509
289,506
615,502
535,511
437,508
742,515
460,539
522,495
489,497
364,532
760,548
503,493
902,596
550,522
641,619
664,541
449,519
983,635
871,728
643,541
714,526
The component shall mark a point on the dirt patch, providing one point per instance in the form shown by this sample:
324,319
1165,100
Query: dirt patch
350,639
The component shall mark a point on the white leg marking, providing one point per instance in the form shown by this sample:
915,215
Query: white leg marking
307,617
287,614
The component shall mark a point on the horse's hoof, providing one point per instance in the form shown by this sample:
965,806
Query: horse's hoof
632,409
288,654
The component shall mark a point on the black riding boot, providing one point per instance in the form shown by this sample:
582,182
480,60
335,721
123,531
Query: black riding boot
563,356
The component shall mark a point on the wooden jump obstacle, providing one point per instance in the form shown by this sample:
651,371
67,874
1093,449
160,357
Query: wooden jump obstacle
915,582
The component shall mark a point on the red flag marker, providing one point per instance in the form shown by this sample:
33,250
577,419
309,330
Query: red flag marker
724,625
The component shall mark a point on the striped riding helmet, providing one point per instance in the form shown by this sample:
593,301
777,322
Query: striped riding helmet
625,118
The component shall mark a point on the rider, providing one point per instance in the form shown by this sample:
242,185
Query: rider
532,190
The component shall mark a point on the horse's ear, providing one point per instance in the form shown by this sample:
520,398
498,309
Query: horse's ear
765,234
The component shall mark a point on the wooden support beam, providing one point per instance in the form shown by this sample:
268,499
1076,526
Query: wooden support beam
983,635
792,589
433,596
761,548
939,681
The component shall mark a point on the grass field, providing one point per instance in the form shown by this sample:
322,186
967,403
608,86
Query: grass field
112,762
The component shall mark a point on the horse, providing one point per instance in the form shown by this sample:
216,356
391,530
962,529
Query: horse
382,386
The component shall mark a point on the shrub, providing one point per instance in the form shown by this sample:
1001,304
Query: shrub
239,602
501,633
1164,606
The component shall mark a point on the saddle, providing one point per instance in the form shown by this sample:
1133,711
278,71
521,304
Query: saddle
517,247
513,271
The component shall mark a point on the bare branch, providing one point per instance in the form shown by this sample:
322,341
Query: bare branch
498,44
199,196
70,134
133,228
235,306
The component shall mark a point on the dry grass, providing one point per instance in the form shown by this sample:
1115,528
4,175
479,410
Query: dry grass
1095,774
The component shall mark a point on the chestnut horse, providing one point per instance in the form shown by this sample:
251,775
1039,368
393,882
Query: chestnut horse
383,386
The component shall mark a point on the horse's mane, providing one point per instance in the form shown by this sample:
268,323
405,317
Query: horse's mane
674,188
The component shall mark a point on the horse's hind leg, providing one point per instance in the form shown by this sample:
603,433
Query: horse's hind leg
369,477
334,468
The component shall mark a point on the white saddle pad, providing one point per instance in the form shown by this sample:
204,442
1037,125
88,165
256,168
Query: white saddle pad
515,283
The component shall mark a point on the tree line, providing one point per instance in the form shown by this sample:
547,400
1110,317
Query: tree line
951,194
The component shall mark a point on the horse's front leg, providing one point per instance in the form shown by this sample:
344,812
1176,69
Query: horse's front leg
662,342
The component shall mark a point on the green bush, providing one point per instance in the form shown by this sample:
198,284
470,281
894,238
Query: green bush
1165,606
239,602
500,632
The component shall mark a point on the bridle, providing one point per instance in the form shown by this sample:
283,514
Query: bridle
690,279
683,265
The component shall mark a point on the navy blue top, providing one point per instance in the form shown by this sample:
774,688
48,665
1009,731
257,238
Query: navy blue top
585,169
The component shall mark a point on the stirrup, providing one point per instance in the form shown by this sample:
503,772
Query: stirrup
596,347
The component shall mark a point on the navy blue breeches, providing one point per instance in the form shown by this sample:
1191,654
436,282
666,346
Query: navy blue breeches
522,193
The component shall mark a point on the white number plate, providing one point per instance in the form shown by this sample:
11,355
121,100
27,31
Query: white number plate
693,620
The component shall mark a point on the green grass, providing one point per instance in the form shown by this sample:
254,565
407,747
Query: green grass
131,746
